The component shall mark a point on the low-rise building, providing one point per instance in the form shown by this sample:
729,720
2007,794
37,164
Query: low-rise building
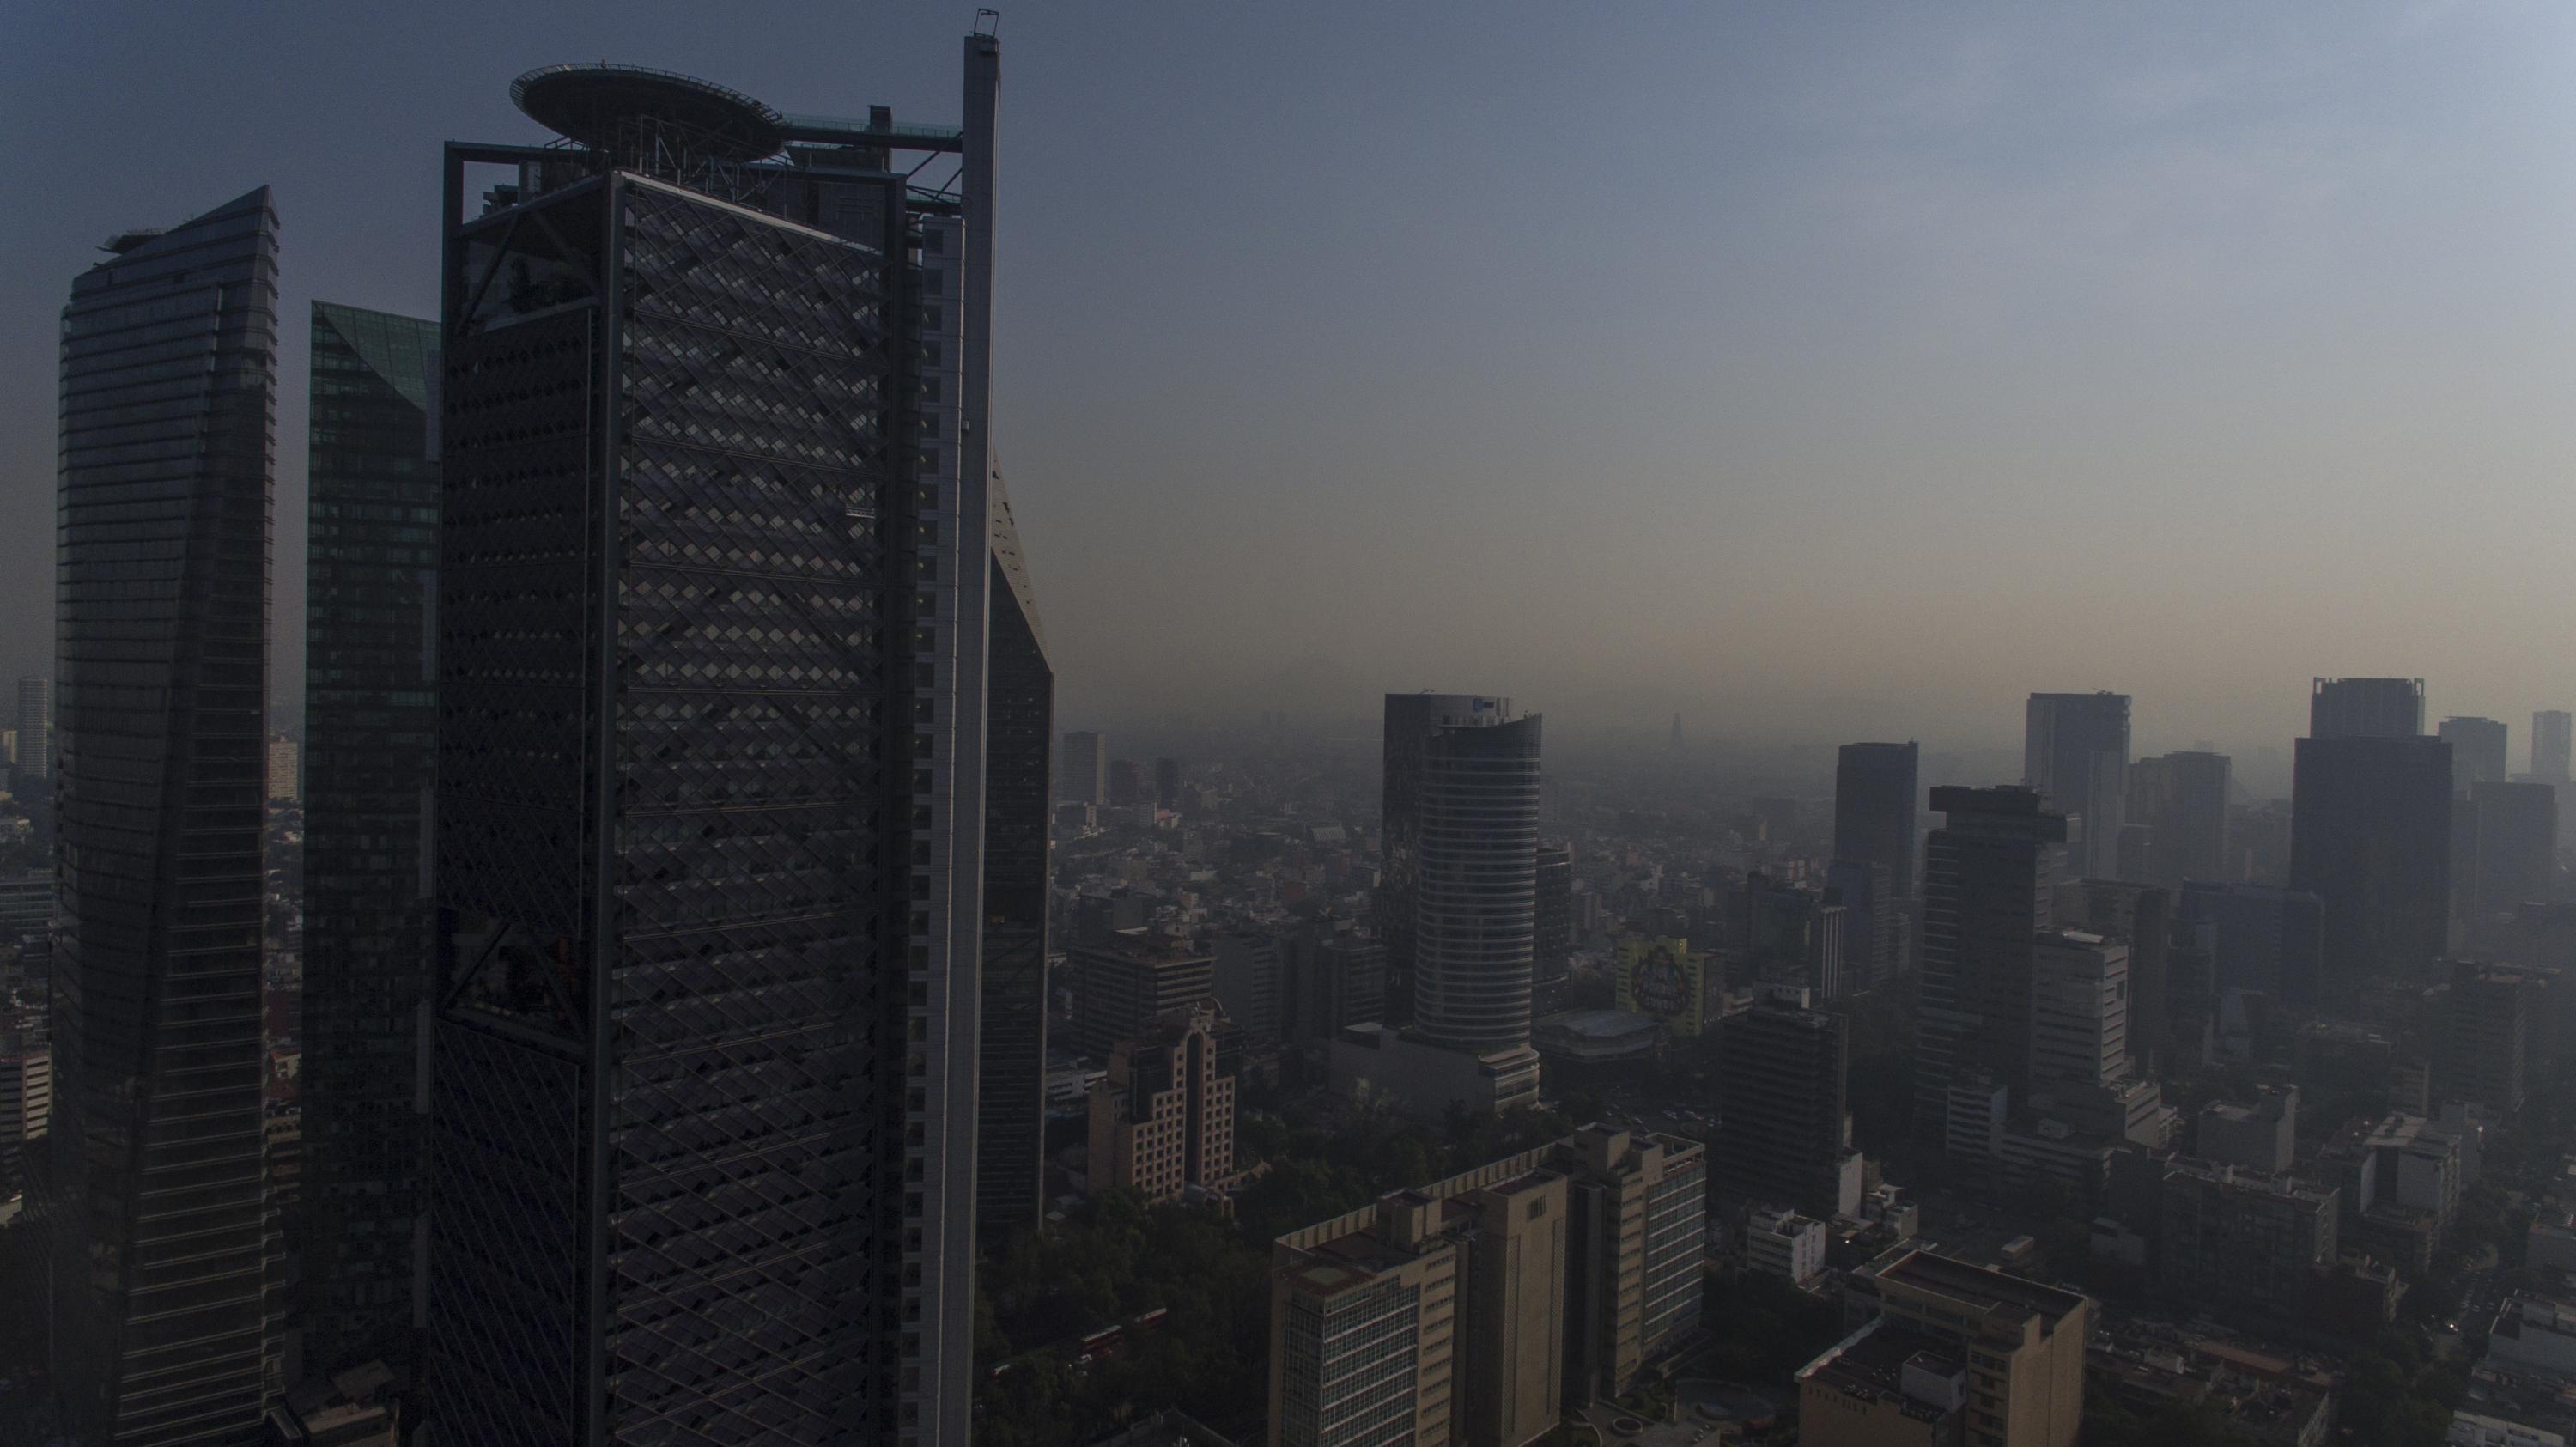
1885,1385
2476,1429
1784,1244
2022,1343
2534,1334
2260,1135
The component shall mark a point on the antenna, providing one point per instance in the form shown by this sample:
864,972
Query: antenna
988,23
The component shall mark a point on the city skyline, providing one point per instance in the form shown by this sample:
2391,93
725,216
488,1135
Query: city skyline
2166,189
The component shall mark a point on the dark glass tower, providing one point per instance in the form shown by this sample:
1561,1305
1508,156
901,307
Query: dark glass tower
1874,803
2075,749
1475,919
713,612
1411,719
169,396
2370,835
1010,1100
370,737
1986,897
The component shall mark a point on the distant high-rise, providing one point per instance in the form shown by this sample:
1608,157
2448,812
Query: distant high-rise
1874,807
1084,774
1476,888
713,652
2182,799
2516,861
370,727
2139,916
2550,729
2370,835
2477,751
1411,719
2270,941
1167,783
162,1292
1552,943
35,720
2346,708
2075,749
1019,705
1986,896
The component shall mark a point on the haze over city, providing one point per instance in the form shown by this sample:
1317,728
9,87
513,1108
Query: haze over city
1827,372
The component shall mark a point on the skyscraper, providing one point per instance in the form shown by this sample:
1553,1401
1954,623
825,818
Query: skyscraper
2477,751
1010,1096
2182,799
35,729
1410,721
2265,940
1552,942
1874,803
1086,768
2075,749
1782,1070
713,651
2549,745
371,741
2517,847
1986,897
169,395
2343,708
2370,835
1476,914
1167,783
2140,918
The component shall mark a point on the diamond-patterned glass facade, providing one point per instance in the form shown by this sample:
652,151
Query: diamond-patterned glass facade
162,1291
669,842
370,733
1010,1100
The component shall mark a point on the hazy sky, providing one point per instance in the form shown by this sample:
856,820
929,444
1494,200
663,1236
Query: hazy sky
1829,369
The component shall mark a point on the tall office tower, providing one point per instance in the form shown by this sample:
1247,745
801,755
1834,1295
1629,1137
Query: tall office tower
713,639
2370,835
1475,921
2079,1025
2486,1036
1782,1069
2075,749
1871,917
163,1329
2549,746
2351,708
1019,731
1167,783
1986,896
35,719
2270,941
2477,751
1252,981
1126,782
370,731
1333,983
2182,799
1874,803
1411,719
2140,917
2516,849
1552,939
1123,984
1085,773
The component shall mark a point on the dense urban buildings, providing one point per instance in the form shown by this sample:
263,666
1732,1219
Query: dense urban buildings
2370,837
2349,708
2075,750
2255,938
2516,843
164,1320
1473,1309
1124,983
2024,1343
1874,809
710,780
1010,1053
370,726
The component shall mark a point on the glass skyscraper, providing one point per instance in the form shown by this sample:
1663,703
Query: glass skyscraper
1010,1100
162,1289
712,662
1476,883
370,734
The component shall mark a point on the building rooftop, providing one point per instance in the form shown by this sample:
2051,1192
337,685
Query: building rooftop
1977,1286
1870,1364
